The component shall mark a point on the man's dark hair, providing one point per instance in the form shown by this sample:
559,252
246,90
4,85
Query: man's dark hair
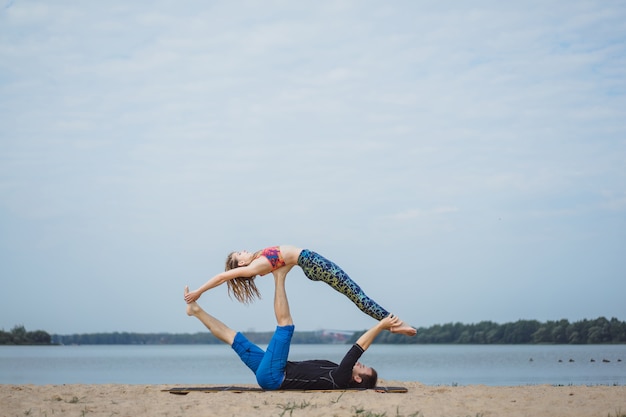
367,381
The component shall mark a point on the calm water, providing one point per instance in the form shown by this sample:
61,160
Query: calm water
217,364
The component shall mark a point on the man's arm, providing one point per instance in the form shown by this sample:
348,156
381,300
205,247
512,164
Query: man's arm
368,337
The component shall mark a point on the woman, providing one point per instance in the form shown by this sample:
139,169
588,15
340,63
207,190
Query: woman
242,267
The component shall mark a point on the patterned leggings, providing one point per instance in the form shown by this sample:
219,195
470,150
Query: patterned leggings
318,268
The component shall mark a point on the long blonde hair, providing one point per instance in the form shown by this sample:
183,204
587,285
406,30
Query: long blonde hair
242,288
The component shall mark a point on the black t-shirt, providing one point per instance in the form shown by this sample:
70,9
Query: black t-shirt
321,374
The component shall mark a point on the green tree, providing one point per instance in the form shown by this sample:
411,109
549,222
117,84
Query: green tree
18,333
5,338
39,337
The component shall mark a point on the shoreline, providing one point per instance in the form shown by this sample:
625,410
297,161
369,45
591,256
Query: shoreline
420,401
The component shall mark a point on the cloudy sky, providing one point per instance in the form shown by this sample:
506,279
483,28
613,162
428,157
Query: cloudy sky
462,161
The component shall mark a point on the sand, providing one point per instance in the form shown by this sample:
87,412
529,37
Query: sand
421,400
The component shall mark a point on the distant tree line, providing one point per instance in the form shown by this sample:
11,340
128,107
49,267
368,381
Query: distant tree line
116,338
598,331
19,336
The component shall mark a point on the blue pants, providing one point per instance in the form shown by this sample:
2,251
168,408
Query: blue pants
269,365
318,268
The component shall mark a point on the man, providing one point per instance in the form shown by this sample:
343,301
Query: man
271,367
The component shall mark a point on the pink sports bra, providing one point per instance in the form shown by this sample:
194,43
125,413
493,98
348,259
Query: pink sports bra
274,256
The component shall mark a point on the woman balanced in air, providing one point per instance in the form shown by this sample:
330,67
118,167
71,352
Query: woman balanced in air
242,267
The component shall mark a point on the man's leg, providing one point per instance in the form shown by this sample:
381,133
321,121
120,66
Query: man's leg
281,304
217,328
271,372
249,353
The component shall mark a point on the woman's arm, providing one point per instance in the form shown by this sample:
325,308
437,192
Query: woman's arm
257,267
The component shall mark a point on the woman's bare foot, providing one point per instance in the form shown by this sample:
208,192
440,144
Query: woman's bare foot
192,308
404,328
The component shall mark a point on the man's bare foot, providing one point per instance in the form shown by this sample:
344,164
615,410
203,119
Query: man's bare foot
405,329
192,308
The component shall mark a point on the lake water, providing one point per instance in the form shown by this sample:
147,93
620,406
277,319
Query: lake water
503,365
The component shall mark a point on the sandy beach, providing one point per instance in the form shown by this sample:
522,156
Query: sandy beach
421,400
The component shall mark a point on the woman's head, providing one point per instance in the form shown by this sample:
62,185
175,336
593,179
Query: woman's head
242,288
240,258
231,261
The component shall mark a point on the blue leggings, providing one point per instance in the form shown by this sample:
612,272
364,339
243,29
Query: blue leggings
268,366
318,268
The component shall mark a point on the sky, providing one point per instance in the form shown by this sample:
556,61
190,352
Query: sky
461,161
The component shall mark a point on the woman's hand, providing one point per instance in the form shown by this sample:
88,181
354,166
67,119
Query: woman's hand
192,296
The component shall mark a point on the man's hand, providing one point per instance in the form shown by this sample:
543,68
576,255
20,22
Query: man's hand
390,321
385,324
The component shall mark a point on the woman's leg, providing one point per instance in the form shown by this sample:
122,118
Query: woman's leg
318,268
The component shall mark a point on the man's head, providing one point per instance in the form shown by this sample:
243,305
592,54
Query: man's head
363,376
